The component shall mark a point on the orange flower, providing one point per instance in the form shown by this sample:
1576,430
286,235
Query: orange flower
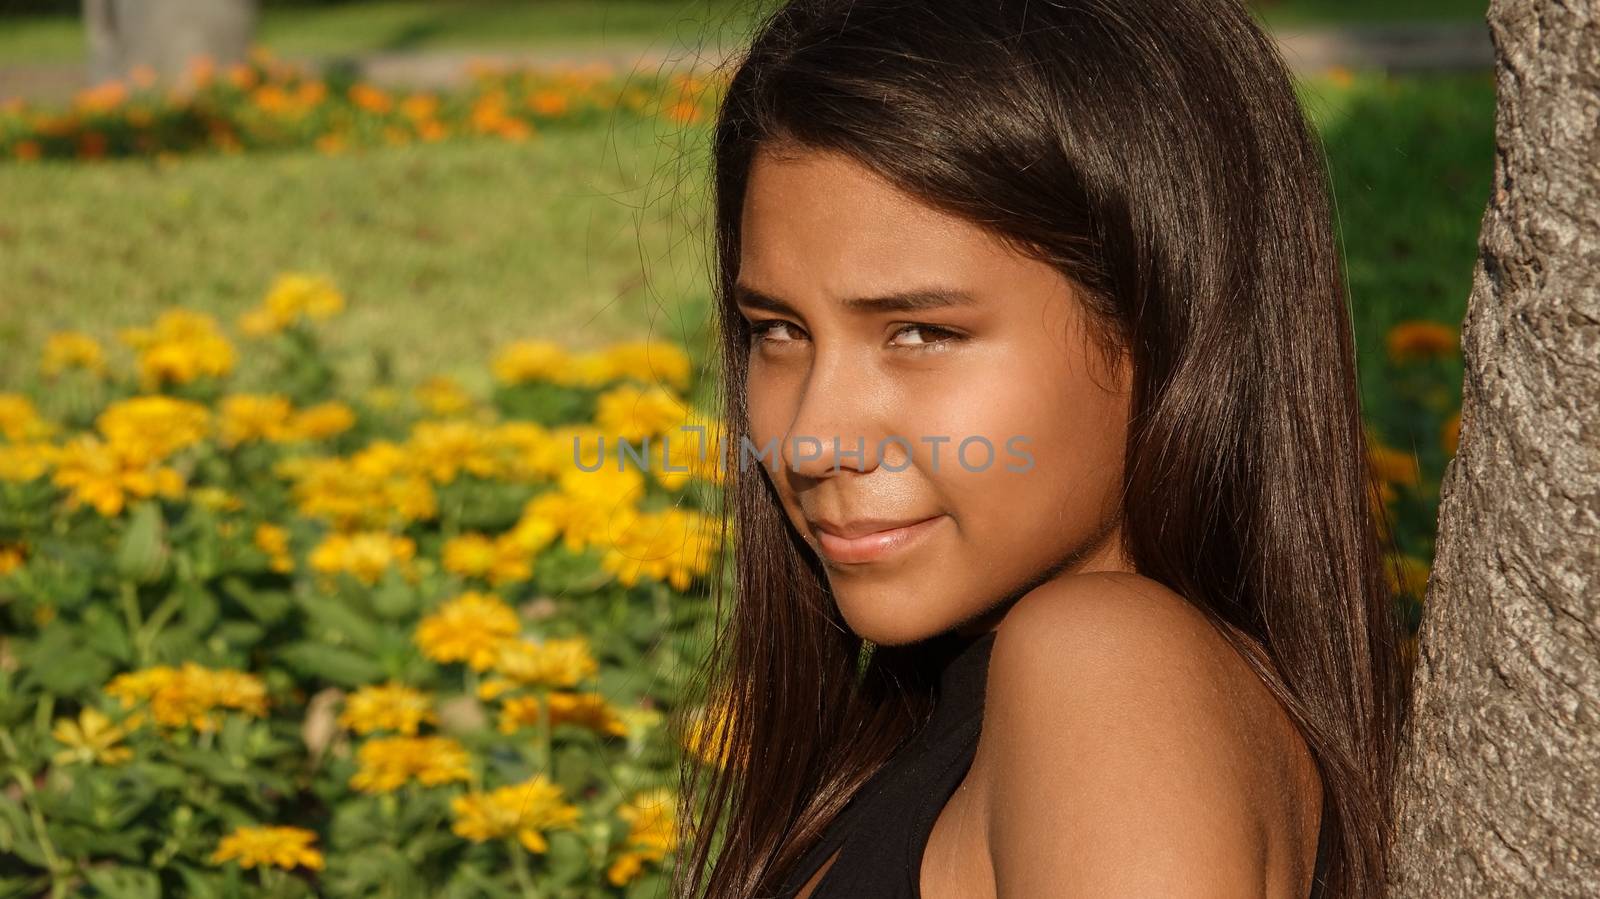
1418,339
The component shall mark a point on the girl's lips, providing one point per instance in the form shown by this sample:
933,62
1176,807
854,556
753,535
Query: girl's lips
875,546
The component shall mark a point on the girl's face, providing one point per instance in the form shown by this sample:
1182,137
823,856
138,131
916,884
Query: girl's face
908,369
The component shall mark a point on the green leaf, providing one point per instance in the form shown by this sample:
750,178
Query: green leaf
143,552
334,664
125,883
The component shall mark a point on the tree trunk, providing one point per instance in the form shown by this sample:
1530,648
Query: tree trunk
165,35
1499,773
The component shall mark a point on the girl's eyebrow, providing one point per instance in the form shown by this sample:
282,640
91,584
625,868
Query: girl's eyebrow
917,300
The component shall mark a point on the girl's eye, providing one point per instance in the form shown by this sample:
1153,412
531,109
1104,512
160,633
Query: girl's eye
928,337
759,331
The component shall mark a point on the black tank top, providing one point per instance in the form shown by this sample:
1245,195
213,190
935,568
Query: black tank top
885,826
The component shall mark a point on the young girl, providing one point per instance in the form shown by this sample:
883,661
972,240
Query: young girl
1058,569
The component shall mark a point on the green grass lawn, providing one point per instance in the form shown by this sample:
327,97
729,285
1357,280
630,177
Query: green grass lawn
445,251
384,25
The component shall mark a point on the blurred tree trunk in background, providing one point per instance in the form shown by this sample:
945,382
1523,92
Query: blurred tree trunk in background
1499,777
165,35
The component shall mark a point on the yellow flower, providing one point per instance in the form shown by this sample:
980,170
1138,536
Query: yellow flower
1410,340
387,763
273,540
321,421
443,449
105,475
532,360
631,413
525,810
91,738
442,396
709,735
559,662
293,297
22,462
181,347
692,453
375,487
391,706
586,709
247,417
652,818
190,695
12,557
277,847
650,361
1412,577
66,350
1450,434
20,420
674,545
501,560
364,555
470,628
1394,466
154,427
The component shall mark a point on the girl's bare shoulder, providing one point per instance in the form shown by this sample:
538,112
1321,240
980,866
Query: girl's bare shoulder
1130,750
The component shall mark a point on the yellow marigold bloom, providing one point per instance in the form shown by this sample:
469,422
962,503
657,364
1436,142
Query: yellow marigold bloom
632,413
274,847
364,555
1393,465
181,347
105,475
387,763
273,540
442,396
12,557
565,447
557,662
500,560
292,298
709,735
650,361
92,738
391,706
692,454
587,709
522,448
249,417
652,818
524,810
675,546
470,628
190,695
443,449
66,350
1450,434
532,360
1410,340
154,427
20,419
1412,578
321,421
23,462
375,487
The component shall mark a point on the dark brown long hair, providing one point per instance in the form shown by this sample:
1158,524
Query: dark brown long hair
1154,151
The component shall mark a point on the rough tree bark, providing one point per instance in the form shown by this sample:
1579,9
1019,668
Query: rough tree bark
1499,780
165,35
